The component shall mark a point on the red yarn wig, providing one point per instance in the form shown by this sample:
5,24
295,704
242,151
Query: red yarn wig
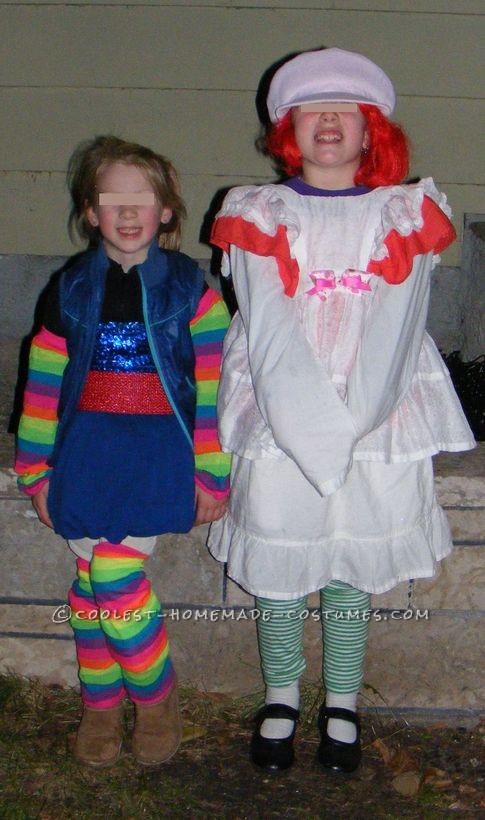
385,163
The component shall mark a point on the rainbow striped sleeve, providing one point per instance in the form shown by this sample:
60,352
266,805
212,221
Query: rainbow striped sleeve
38,423
208,328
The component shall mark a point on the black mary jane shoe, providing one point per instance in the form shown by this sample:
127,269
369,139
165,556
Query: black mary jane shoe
336,754
272,754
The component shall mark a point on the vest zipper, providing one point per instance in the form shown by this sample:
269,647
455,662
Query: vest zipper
156,360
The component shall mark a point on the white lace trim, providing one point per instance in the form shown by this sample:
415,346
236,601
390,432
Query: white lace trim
403,212
264,207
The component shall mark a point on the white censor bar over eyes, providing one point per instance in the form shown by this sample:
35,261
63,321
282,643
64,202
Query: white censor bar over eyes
331,107
147,198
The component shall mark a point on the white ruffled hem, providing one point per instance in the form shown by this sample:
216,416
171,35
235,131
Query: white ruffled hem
285,572
428,420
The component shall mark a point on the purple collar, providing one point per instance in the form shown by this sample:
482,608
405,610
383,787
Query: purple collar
300,187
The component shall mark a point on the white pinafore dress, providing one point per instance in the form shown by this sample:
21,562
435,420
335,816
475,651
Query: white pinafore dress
333,398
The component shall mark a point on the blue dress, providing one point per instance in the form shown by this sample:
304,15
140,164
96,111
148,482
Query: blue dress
129,472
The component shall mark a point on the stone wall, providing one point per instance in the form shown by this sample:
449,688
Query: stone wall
424,656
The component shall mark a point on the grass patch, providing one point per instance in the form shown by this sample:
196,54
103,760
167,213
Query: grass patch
211,776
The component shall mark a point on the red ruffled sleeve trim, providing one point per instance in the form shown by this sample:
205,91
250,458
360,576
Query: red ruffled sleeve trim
234,230
436,234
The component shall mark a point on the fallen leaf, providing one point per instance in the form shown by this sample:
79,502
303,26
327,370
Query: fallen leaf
459,805
399,761
432,773
402,762
385,752
442,785
191,732
407,783
465,789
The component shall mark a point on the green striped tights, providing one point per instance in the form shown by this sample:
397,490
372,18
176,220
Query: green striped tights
280,637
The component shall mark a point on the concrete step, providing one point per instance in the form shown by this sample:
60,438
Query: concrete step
424,651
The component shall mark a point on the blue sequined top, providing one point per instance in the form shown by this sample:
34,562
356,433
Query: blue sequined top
122,347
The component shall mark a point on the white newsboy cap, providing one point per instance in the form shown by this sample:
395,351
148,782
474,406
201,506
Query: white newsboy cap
329,75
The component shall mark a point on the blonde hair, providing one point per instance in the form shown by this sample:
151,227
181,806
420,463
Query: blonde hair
92,155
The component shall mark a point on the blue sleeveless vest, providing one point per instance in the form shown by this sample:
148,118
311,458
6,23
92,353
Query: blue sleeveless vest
172,285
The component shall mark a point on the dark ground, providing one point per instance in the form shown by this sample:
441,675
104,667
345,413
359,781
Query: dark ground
408,772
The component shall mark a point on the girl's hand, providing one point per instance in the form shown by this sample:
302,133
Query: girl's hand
207,508
39,503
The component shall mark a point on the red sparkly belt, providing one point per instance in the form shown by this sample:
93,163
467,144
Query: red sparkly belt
139,393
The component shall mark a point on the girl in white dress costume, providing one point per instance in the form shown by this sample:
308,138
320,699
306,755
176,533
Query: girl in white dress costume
333,397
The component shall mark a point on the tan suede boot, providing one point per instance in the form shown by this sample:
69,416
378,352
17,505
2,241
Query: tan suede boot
158,730
98,741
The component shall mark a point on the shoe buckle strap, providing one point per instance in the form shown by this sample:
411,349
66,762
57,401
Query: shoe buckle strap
278,711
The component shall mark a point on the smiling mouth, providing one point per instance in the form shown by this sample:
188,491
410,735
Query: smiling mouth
129,231
328,137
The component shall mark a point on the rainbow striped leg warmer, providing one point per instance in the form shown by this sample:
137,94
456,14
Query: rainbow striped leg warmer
100,675
132,621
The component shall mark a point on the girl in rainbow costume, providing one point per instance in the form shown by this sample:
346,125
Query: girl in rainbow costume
117,442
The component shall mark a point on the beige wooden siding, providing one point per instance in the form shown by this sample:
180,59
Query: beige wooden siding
181,77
